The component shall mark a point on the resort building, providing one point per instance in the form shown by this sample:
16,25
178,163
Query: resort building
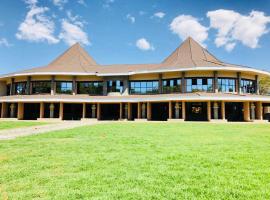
190,84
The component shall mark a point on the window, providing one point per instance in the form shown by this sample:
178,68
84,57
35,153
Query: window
41,87
8,90
64,87
171,85
143,87
226,85
92,88
247,86
199,84
20,88
115,86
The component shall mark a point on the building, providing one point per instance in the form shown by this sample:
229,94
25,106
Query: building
191,84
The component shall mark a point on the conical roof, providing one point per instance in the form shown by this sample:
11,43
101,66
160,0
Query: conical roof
191,54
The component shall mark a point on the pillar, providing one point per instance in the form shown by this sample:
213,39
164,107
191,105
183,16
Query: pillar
4,110
239,83
259,113
41,110
170,110
98,111
12,110
61,111
208,110
84,111
143,110
149,113
53,85
252,111
104,87
246,111
129,116
183,83
20,110
28,85
223,117
12,87
93,108
183,110
215,81
121,111
139,111
160,83
74,86
177,108
52,110
257,84
215,109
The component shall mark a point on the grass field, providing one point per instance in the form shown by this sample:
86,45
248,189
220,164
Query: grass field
139,161
18,124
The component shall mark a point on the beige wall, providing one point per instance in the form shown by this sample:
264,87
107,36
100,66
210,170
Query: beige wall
3,89
144,77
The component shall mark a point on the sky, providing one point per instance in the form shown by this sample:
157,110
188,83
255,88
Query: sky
34,32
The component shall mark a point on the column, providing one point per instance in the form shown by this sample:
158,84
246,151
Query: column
215,81
252,111
12,110
98,111
259,113
126,86
257,88
74,86
53,85
183,83
246,111
4,110
61,111
208,110
12,87
223,117
104,87
129,111
28,85
121,111
177,108
93,108
183,110
139,111
239,83
41,110
170,110
143,111
160,83
84,111
20,110
149,113
52,110
215,109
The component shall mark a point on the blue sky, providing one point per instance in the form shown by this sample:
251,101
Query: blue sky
34,32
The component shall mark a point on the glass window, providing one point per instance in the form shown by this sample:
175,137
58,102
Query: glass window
199,84
64,87
226,85
115,86
91,88
41,87
8,90
171,85
20,88
247,86
143,87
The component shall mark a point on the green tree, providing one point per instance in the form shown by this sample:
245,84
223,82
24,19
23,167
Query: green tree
264,86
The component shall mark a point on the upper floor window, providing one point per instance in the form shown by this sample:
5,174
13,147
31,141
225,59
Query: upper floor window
171,85
8,90
143,87
199,84
64,87
41,87
92,88
247,86
115,86
226,85
20,88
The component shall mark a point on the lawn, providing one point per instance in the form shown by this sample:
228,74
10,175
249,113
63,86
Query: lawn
139,161
18,124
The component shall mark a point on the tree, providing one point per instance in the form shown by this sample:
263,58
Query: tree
264,86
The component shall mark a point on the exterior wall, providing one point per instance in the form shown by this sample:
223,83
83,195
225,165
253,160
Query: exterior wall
144,77
3,89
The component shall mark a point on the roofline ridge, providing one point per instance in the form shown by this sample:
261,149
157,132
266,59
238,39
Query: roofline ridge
189,39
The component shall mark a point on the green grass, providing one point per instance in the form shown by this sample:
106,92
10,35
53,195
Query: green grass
18,124
139,161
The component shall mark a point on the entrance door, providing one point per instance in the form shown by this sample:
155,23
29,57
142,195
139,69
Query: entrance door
196,111
160,111
31,111
72,111
234,111
110,111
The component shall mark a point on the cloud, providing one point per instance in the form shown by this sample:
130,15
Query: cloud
232,27
144,45
82,2
4,42
72,33
59,3
107,3
187,25
159,15
131,18
37,26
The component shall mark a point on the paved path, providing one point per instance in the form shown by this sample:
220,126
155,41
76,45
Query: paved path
33,130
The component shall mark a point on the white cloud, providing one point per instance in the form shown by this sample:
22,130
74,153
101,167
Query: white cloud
72,33
231,27
187,25
107,3
82,2
4,42
59,3
131,18
159,15
37,26
144,45
141,12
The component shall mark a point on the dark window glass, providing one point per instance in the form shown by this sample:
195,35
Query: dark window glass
247,86
226,85
91,88
199,84
143,87
64,87
41,87
8,90
20,88
171,85
115,86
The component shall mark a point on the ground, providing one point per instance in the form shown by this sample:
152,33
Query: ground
17,124
139,161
